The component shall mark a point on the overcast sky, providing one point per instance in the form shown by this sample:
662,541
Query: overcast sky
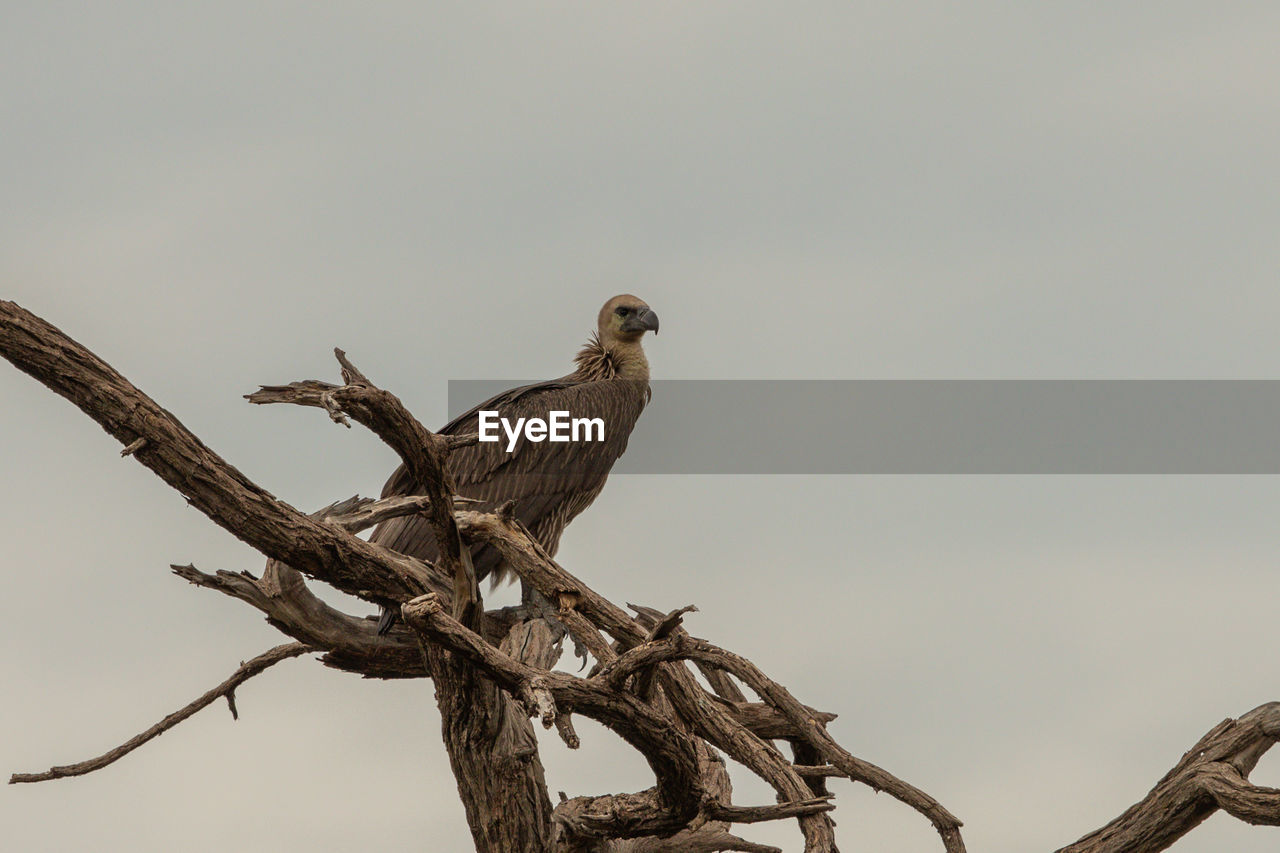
212,198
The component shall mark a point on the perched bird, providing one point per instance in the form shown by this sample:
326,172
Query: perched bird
549,482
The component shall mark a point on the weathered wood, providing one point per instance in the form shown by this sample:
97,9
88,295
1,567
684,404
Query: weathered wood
422,451
678,647
494,671
759,814
489,742
494,756
1211,775
671,754
209,483
694,705
350,643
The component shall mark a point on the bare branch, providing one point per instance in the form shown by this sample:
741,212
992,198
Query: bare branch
669,751
465,440
663,628
759,814
633,660
134,447
665,625
356,514
209,483
423,452
1211,775
350,373
721,683
694,705
493,670
308,392
538,700
814,733
581,629
719,680
318,549
352,643
564,726
818,771
766,722
1237,797
226,689
614,816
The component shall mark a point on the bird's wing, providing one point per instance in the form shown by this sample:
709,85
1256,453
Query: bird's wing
400,483
550,482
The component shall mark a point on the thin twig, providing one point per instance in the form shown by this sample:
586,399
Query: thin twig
226,689
133,447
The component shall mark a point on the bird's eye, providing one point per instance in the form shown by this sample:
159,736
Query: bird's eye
623,311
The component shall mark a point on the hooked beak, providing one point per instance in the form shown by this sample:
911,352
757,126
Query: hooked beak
643,321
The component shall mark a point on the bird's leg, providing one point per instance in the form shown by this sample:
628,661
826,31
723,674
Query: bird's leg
539,608
387,618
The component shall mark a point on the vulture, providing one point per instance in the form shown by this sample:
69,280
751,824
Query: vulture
549,482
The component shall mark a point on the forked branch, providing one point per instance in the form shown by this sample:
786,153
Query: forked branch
424,454
642,687
1212,775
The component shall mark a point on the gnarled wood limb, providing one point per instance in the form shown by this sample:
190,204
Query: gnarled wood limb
720,681
321,550
693,705
1239,798
209,483
349,642
424,454
682,646
766,722
760,814
670,753
708,718
1212,775
226,689
491,747
493,671
329,553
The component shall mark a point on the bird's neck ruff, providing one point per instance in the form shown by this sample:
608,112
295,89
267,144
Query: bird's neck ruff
617,360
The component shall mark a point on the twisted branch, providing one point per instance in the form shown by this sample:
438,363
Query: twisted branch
1212,775
670,753
642,687
424,454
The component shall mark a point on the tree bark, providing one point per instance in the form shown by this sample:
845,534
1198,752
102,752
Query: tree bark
494,670
494,756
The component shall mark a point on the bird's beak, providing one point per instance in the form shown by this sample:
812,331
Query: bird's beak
644,321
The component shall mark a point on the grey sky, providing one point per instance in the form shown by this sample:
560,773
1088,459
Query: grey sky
215,198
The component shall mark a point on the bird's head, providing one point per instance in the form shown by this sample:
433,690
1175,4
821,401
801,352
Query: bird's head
624,319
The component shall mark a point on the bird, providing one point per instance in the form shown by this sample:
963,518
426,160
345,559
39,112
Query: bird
544,485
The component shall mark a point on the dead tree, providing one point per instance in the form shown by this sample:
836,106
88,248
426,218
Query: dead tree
493,669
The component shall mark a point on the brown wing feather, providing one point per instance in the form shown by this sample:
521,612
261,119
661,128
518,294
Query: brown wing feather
550,482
